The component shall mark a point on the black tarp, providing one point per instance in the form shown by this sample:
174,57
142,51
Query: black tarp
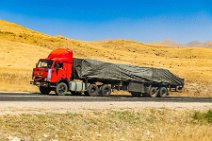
98,70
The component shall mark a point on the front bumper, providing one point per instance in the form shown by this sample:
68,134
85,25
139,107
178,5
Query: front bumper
38,83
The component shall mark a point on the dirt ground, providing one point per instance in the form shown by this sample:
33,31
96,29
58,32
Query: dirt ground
76,107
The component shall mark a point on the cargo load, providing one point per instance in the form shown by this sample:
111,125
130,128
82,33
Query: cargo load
104,71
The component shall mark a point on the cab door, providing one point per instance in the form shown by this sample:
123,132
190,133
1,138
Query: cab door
58,72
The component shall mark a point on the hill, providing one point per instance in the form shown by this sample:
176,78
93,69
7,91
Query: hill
169,43
191,44
20,48
199,44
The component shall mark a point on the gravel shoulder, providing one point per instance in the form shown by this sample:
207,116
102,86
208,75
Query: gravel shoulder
76,107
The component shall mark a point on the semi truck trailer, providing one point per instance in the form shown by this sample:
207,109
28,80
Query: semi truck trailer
62,73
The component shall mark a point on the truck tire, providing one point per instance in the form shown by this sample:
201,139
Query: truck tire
163,92
61,88
179,89
136,94
153,92
105,90
44,90
92,90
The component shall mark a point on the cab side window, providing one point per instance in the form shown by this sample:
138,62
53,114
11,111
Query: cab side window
59,65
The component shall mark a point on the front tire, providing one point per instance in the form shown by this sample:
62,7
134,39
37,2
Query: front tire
44,90
61,88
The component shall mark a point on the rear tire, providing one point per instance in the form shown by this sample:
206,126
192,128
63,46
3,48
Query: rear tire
163,92
136,94
153,92
61,88
179,89
105,90
92,90
44,90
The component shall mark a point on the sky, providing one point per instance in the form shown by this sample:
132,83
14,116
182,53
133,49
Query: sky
91,20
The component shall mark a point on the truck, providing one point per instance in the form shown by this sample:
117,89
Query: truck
62,73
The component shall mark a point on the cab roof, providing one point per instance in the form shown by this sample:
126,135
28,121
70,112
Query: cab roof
61,54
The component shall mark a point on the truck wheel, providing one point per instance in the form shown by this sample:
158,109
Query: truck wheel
92,90
44,90
136,94
163,92
61,88
105,90
179,89
153,92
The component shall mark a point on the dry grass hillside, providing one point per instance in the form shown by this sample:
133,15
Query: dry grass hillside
20,48
124,125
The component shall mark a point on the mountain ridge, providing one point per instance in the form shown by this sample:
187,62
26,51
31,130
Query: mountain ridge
207,44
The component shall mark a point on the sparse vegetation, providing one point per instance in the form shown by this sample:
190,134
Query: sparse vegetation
109,125
203,116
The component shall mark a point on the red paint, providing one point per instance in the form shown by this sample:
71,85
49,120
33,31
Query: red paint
58,56
61,54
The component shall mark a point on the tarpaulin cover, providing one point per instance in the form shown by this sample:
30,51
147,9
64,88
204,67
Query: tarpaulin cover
92,69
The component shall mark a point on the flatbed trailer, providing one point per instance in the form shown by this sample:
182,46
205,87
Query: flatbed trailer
135,79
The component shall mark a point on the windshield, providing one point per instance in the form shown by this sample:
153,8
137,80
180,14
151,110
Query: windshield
44,64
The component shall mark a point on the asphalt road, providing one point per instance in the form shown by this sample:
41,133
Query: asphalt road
70,98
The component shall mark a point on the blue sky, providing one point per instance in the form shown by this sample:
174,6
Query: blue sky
140,20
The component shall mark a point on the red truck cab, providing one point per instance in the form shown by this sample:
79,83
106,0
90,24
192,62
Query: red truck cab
54,69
